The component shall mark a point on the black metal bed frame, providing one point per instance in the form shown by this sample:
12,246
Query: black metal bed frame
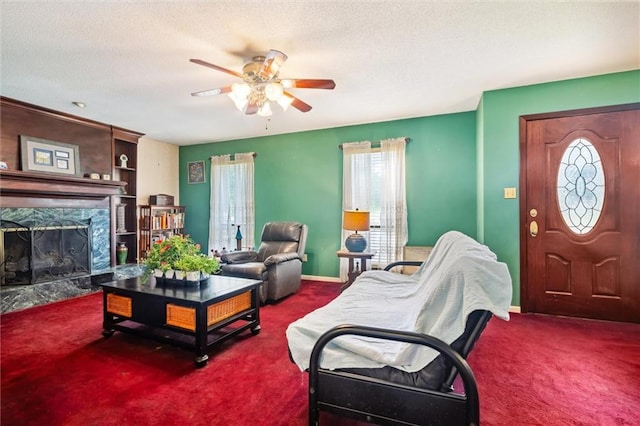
388,403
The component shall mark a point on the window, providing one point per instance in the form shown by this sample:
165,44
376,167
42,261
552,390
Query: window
374,180
581,186
231,202
375,240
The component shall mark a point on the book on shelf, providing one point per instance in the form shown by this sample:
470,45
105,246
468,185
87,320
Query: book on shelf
167,220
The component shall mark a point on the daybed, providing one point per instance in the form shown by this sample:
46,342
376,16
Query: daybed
388,348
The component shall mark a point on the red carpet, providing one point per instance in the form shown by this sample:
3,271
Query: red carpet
57,369
544,370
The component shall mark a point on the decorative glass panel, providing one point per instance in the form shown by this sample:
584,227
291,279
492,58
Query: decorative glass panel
580,186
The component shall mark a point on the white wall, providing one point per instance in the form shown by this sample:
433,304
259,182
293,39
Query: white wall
158,169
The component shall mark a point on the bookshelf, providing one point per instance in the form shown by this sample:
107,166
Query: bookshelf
158,222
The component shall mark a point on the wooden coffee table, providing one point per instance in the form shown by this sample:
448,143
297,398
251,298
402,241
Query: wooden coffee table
192,317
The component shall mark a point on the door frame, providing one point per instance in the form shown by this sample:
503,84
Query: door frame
526,302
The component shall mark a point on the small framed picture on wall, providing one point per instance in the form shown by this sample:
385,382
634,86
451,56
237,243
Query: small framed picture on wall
195,170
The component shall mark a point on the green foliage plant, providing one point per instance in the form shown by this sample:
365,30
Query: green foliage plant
179,252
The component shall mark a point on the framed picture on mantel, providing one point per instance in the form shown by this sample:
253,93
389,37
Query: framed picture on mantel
41,155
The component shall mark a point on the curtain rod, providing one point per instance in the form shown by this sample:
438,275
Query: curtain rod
377,143
233,156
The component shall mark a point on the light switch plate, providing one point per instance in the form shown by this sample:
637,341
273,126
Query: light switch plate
509,193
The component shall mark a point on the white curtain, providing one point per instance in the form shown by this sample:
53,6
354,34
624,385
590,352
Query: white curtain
232,201
393,202
356,186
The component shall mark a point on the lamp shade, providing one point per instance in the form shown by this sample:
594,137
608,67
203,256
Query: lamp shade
355,220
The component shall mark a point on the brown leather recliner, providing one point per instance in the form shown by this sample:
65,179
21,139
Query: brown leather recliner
278,261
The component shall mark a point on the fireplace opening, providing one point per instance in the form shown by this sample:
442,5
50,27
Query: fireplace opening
43,252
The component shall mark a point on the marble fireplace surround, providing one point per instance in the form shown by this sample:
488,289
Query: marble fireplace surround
99,219
36,198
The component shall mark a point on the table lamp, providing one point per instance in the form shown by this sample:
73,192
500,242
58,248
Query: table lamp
355,220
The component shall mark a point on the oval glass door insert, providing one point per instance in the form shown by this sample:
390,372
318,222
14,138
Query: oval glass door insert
580,186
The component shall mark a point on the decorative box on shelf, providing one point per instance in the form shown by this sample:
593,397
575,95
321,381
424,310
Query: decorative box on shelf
161,200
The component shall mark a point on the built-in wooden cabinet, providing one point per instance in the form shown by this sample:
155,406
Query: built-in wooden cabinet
158,222
123,206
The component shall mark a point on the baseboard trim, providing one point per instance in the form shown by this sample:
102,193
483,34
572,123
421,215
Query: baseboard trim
320,278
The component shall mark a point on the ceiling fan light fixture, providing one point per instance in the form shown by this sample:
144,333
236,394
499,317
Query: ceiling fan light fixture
285,101
287,83
265,110
273,91
241,89
239,101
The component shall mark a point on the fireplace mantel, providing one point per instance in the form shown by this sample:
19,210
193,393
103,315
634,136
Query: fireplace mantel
27,189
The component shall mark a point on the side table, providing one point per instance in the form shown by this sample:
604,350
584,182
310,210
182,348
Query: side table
354,270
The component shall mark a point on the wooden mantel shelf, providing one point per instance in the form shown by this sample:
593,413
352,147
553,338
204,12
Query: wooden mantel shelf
29,184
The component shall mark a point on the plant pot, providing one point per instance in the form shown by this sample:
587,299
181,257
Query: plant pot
158,273
193,276
169,273
180,274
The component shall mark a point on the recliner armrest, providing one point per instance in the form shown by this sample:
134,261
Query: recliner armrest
240,257
280,257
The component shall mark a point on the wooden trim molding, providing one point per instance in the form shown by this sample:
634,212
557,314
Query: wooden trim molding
28,184
54,114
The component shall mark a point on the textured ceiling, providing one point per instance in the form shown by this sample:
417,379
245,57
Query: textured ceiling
129,61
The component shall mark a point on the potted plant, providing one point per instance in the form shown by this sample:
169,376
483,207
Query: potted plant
179,253
188,265
197,264
209,265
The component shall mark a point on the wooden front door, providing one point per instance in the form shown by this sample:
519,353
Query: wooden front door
580,213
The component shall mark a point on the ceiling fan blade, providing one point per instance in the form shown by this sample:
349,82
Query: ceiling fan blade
218,91
271,65
251,108
298,104
303,83
215,67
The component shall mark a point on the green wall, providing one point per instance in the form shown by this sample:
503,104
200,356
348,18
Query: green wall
498,145
457,167
299,177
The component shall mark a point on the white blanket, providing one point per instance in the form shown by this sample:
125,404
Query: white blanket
459,276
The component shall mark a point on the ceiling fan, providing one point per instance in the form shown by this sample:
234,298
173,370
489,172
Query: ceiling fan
261,85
